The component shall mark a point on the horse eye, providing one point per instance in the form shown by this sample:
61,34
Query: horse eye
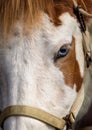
63,51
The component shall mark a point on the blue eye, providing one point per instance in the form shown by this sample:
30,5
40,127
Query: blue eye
63,51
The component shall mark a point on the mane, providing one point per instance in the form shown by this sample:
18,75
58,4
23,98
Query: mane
28,11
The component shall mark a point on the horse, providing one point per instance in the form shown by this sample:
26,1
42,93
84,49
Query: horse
41,62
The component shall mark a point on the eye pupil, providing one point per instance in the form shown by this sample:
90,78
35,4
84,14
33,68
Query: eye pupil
63,52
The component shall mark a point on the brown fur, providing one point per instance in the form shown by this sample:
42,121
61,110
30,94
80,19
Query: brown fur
57,8
70,68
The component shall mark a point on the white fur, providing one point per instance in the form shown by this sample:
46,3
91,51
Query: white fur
30,74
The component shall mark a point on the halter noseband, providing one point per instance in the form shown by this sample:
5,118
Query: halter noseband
37,114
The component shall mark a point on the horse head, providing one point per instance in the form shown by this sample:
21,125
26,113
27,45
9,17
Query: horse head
41,59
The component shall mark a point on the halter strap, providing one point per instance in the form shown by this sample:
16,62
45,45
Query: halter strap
32,112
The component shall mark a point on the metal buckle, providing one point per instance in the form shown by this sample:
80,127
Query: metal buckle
70,118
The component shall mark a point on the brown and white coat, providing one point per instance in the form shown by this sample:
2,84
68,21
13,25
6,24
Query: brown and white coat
31,34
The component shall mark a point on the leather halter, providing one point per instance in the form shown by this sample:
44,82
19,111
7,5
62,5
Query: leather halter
32,113
36,113
41,115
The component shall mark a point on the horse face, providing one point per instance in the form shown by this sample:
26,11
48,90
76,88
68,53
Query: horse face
42,69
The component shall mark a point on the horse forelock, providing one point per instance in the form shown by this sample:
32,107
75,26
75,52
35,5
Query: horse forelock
25,10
